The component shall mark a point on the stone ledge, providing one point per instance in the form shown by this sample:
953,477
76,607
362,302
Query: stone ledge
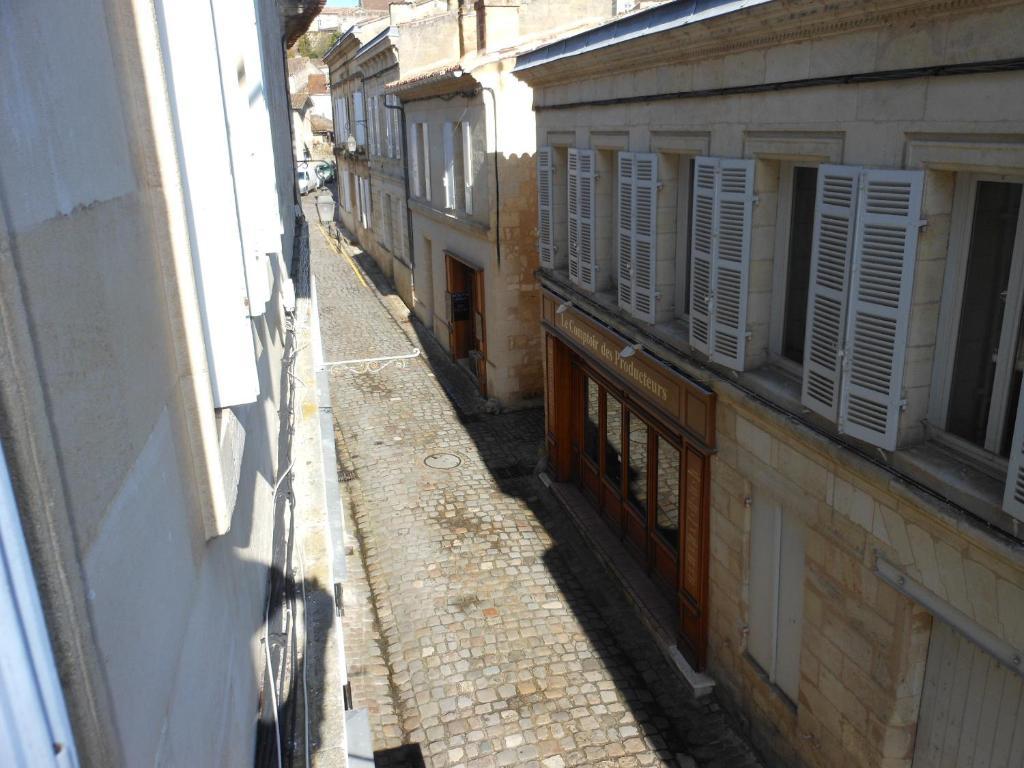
654,610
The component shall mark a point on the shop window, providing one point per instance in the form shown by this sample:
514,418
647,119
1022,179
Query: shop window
667,504
636,478
795,227
776,594
613,440
592,420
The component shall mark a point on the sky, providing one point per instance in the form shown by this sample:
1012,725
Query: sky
341,3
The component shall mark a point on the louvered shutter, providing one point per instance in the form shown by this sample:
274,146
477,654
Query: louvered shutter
426,160
573,183
358,107
735,202
414,160
467,164
545,223
702,252
645,232
587,220
448,140
627,164
1013,495
884,253
835,215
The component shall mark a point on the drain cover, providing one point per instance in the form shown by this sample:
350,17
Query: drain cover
442,460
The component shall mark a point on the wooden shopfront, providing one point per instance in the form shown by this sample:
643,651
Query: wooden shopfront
636,437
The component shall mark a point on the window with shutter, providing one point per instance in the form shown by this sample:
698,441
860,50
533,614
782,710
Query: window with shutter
360,117
831,254
574,215
449,165
426,160
645,210
885,246
626,199
389,135
545,208
723,203
467,165
414,160
702,252
586,219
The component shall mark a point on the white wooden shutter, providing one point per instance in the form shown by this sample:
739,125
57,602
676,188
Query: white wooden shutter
835,216
396,115
449,165
587,220
627,163
360,117
389,134
702,252
371,121
1013,494
414,159
884,254
467,164
346,191
573,183
735,202
426,160
545,214
645,232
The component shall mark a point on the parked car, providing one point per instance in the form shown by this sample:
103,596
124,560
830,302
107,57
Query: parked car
307,180
325,171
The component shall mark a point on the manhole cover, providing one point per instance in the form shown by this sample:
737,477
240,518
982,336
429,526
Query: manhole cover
442,460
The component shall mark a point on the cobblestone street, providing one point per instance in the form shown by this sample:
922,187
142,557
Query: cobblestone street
479,630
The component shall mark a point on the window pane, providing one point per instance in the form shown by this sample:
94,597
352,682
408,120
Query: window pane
637,478
798,270
591,419
989,255
613,441
667,517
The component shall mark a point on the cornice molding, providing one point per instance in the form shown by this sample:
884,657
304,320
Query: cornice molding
760,27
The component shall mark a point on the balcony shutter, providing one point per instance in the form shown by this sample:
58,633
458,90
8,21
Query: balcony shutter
574,215
835,216
587,220
702,252
627,163
372,120
414,160
735,202
1013,494
645,231
397,116
449,165
545,232
360,117
426,160
884,253
467,164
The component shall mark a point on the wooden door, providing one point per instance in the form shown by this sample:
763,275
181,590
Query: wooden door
480,331
454,283
693,558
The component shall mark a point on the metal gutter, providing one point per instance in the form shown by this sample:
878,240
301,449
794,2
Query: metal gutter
660,18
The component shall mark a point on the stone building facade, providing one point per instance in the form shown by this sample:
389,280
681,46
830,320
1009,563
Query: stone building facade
147,227
782,212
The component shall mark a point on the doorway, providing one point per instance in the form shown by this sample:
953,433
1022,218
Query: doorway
466,327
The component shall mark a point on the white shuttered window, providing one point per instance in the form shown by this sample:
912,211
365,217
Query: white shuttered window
359,108
448,146
414,160
467,165
426,159
858,306
582,266
637,236
545,208
723,200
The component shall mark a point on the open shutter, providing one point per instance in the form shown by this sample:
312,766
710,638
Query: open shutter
627,164
645,231
389,128
426,160
467,164
587,220
835,215
449,165
884,253
414,160
359,108
1013,495
573,183
702,252
735,202
545,231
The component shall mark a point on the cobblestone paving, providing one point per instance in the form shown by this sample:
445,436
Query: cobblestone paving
502,642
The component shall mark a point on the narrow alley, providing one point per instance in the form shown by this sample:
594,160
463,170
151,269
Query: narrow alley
479,631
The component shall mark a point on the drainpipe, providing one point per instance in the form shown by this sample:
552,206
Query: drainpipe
497,181
405,174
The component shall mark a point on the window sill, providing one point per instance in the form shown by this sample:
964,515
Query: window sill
449,218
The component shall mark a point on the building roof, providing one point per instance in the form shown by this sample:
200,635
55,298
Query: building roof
660,18
317,83
299,99
321,124
442,76
358,34
297,17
